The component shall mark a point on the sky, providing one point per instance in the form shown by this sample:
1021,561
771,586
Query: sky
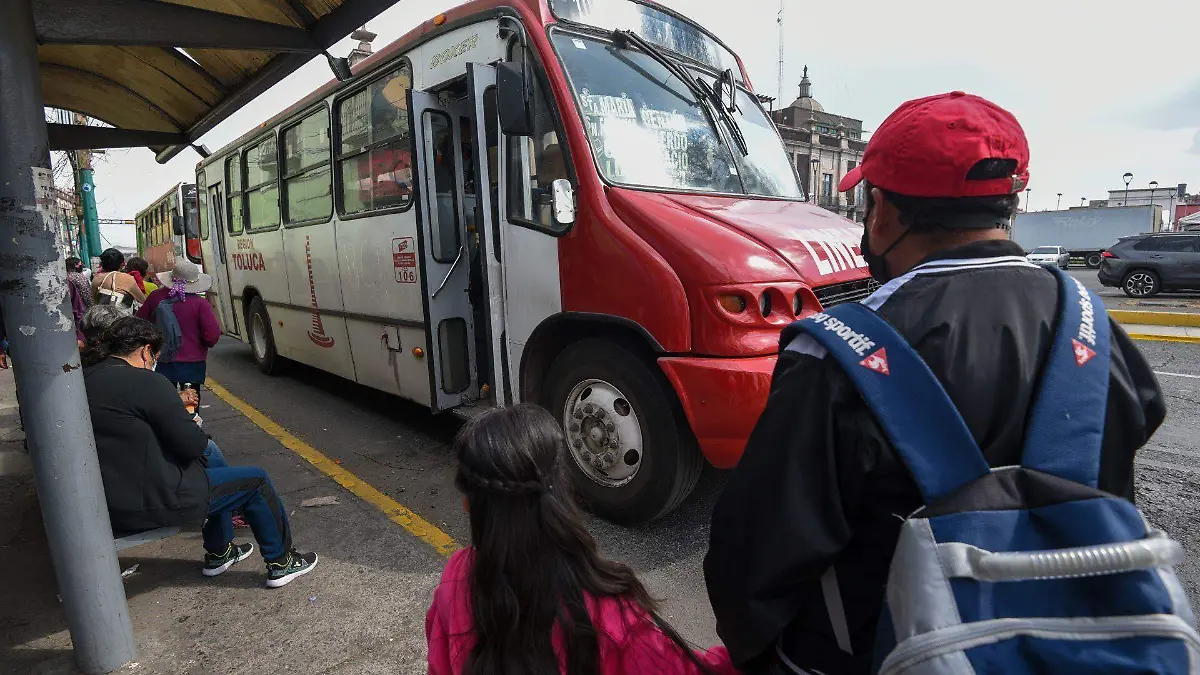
1101,87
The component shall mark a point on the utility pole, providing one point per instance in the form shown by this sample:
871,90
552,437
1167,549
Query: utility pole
85,196
50,393
779,82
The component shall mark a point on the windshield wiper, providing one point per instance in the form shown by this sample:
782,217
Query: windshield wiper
726,113
704,95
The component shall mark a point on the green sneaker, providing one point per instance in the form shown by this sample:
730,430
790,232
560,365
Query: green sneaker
234,554
294,564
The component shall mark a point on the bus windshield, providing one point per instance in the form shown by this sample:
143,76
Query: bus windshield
647,128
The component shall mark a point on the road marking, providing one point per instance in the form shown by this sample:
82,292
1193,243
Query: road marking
1193,377
396,512
1164,338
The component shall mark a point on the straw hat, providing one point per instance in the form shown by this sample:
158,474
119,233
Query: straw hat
194,281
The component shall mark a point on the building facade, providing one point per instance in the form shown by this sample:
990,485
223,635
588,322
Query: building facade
823,147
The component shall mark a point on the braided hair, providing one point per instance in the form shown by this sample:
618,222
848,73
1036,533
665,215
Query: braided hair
121,337
534,560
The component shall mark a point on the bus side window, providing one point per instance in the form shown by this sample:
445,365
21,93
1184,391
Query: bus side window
374,155
529,194
308,193
262,188
233,177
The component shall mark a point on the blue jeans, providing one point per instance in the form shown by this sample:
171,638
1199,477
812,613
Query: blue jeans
213,458
247,489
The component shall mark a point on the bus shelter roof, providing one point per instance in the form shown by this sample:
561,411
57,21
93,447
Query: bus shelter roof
164,72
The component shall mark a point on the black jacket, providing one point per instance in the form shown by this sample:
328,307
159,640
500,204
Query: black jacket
149,448
819,485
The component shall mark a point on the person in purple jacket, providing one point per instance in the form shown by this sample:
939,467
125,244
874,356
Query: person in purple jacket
182,290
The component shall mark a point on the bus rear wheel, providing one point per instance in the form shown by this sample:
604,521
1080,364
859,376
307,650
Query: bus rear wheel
630,452
262,339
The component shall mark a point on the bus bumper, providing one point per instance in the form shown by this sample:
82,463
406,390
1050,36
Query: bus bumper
722,399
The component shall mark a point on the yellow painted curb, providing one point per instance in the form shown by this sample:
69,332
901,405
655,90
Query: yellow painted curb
1164,338
396,512
1144,318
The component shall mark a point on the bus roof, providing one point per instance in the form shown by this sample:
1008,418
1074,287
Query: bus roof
426,30
170,191
530,11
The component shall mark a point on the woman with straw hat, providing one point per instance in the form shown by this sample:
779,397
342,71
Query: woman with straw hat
188,322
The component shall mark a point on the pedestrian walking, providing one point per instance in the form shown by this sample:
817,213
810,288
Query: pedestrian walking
805,531
153,460
188,323
78,279
532,594
113,286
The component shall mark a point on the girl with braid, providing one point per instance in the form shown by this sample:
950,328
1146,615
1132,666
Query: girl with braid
533,595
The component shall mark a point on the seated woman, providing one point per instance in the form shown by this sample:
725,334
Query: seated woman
533,594
152,459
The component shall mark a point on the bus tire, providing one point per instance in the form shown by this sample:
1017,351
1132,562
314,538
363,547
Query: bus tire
262,339
1094,259
630,452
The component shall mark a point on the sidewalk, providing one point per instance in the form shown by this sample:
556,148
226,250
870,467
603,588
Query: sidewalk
361,612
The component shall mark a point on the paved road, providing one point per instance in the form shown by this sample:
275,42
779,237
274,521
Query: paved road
403,451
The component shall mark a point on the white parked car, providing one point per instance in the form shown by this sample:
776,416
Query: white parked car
1050,256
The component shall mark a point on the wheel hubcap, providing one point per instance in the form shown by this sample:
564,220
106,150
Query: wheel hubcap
258,334
1139,284
603,433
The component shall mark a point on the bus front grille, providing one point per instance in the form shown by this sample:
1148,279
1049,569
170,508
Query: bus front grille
847,291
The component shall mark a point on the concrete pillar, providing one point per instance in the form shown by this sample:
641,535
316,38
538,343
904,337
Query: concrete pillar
50,391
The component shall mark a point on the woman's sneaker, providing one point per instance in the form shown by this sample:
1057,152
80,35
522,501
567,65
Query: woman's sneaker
234,553
294,564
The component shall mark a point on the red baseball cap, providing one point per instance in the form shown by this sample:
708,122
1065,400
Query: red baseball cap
937,146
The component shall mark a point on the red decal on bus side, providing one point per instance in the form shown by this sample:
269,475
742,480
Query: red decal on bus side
317,334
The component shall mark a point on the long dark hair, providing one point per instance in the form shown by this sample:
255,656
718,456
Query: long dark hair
122,337
534,558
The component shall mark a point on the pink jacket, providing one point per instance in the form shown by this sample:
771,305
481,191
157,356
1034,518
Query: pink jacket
629,641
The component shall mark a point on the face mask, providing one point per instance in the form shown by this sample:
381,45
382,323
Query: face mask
877,264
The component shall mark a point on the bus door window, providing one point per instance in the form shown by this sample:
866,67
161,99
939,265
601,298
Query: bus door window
492,137
445,244
202,205
375,146
235,215
191,225
529,194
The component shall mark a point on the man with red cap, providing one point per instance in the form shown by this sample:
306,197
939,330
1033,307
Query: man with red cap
804,532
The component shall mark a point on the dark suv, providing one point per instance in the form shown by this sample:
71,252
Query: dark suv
1144,264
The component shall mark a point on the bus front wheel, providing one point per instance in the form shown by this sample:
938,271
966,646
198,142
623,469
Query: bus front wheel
630,452
262,339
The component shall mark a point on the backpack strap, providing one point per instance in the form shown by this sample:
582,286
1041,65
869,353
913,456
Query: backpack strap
1066,421
910,404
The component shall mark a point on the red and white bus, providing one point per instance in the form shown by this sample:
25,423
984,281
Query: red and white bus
168,228
579,203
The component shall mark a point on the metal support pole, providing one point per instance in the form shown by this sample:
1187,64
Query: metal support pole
49,382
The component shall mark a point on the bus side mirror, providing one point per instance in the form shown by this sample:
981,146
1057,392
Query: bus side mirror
176,223
512,100
563,201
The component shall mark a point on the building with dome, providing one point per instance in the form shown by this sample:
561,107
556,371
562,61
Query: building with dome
823,147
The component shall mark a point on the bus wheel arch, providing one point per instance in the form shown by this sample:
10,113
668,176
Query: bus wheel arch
632,455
